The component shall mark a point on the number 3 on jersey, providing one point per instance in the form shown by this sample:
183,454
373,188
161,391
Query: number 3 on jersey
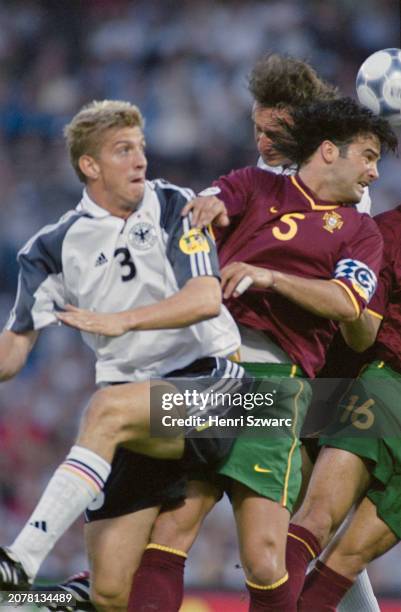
125,262
291,226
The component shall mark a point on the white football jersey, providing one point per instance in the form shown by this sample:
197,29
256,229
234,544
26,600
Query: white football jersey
364,206
97,261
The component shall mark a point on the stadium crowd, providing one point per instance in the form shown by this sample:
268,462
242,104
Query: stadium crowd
185,65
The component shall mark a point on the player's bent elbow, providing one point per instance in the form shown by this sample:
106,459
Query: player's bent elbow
211,304
206,298
11,366
347,317
211,309
347,312
14,351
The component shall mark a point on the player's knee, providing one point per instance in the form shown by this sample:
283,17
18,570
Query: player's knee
317,518
264,564
109,596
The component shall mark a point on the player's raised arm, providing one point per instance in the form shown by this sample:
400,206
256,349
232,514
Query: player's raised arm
14,350
198,300
321,297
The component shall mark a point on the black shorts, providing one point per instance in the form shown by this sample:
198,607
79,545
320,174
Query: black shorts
137,482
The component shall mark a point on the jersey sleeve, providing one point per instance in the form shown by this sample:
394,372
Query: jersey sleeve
358,267
40,282
190,251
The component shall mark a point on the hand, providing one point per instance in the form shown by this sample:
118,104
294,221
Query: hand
106,324
207,210
239,272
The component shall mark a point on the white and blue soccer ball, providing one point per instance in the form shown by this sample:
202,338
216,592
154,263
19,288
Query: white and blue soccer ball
378,84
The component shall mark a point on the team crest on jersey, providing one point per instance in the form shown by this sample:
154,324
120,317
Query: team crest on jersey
142,236
194,241
332,221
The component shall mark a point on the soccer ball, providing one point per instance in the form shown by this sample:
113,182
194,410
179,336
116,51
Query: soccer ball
378,84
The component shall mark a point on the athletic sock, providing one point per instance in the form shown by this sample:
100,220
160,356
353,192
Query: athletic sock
360,597
71,489
271,598
302,548
158,583
324,588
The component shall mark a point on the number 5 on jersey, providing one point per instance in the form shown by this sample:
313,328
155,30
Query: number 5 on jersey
291,225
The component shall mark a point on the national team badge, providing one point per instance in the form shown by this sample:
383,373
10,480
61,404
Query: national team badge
332,221
142,236
194,241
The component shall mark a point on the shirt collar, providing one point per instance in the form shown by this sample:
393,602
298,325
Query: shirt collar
89,206
286,169
315,203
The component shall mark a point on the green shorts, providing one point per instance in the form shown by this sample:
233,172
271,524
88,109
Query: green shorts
368,424
271,465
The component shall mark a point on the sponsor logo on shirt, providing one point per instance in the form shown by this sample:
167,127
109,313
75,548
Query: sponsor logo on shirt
194,241
332,221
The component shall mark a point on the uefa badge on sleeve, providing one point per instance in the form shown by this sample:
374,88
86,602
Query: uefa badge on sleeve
194,241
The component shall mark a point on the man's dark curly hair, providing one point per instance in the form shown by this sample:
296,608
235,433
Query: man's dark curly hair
340,121
284,81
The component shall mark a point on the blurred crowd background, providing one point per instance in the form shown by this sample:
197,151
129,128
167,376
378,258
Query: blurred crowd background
185,63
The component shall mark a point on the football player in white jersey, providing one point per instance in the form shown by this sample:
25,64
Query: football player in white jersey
126,247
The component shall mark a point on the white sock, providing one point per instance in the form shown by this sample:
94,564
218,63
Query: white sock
360,597
71,489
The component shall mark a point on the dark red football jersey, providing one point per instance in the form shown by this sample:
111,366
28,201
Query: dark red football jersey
277,223
387,299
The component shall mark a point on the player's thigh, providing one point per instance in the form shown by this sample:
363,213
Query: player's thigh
128,404
307,468
366,537
338,480
115,547
262,527
124,411
178,528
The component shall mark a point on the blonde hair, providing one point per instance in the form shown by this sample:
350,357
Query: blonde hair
84,132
